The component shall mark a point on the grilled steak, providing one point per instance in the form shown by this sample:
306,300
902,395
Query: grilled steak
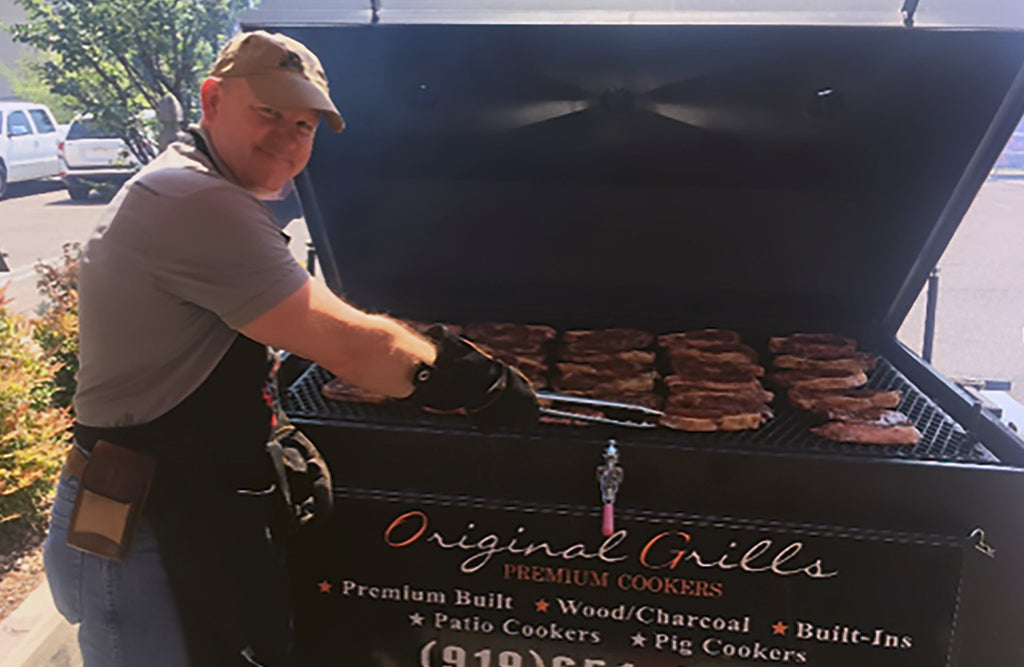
870,416
509,332
746,385
511,338
872,426
698,338
533,362
628,359
815,345
856,361
585,377
610,365
733,353
586,341
868,433
820,379
822,400
746,393
693,369
731,403
710,419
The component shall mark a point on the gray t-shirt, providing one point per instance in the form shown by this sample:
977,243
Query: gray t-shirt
182,258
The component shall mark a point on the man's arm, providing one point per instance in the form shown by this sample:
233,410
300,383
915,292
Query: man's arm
380,354
372,351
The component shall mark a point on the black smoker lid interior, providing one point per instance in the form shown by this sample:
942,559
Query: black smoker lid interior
763,177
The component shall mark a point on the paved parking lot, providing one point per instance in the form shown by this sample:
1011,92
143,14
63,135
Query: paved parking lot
36,218
980,312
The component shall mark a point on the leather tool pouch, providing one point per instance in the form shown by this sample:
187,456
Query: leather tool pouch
111,495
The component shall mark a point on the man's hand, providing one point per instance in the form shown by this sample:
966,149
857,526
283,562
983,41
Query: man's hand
492,394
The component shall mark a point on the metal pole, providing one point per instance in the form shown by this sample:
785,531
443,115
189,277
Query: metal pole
929,314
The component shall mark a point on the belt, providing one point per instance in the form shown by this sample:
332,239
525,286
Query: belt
74,465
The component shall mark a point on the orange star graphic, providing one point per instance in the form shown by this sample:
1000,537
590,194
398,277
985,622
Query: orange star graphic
542,606
779,628
325,586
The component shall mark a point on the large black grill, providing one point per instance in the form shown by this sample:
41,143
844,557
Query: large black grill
943,439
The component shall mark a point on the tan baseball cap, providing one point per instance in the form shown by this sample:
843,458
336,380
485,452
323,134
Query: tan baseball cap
281,71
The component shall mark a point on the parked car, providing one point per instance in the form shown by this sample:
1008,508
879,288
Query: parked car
93,158
28,143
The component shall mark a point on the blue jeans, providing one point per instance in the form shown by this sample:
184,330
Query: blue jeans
125,610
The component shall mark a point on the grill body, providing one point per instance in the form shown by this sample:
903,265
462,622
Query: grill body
769,179
908,531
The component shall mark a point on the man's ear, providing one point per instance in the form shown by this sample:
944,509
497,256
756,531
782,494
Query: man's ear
210,94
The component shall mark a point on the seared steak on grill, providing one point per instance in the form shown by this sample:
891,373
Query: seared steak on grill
821,400
869,432
628,360
820,379
510,336
710,419
815,345
583,341
733,403
693,369
732,353
584,377
698,338
855,361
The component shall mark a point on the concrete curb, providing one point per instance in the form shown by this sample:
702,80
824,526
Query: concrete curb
36,635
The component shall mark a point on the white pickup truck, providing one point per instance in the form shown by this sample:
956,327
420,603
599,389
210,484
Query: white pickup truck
28,143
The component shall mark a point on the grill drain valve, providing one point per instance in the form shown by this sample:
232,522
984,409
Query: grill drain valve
609,477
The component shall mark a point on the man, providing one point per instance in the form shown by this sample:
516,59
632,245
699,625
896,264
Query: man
184,284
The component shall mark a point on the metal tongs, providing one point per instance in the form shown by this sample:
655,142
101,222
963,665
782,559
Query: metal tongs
632,416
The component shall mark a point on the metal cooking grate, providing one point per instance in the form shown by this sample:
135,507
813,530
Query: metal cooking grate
942,439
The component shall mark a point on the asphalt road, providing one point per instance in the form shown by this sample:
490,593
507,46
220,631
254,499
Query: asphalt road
36,219
980,313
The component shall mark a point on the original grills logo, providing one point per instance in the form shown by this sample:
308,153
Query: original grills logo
292,61
668,551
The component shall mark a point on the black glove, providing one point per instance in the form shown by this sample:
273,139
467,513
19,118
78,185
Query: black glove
464,378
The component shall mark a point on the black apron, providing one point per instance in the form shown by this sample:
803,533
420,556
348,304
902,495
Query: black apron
212,510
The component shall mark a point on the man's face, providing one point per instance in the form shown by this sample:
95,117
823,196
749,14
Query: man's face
264,147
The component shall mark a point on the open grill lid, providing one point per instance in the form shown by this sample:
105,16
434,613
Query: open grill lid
762,177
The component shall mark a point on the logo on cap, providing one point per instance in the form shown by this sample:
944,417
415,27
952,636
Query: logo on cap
292,61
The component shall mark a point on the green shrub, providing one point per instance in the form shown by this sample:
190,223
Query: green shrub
56,328
34,433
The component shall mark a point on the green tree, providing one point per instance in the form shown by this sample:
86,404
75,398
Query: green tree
117,58
55,328
28,85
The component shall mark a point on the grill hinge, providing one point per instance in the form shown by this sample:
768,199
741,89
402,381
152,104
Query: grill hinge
908,11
